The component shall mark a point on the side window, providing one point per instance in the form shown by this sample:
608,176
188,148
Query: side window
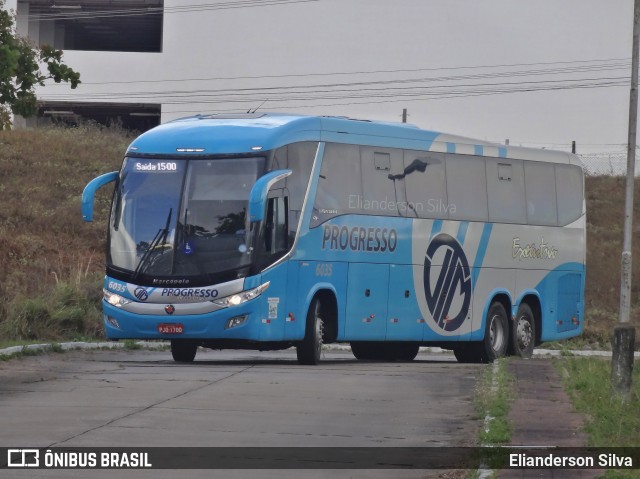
276,225
569,184
505,191
299,158
425,183
540,187
339,184
467,188
275,241
379,169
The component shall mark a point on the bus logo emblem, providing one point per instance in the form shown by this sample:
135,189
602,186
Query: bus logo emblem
452,286
141,294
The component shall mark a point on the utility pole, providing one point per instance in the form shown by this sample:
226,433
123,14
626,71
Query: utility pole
624,333
573,147
404,115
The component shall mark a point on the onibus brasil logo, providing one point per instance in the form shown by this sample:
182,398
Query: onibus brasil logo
449,297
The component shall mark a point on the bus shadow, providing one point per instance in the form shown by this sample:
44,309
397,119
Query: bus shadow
250,362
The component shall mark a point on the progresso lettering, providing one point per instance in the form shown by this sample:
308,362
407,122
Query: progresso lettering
358,238
190,293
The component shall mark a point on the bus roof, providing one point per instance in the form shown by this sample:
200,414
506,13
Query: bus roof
251,133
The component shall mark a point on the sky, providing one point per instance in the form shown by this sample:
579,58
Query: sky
540,73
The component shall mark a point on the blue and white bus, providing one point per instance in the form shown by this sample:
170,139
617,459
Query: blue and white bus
267,231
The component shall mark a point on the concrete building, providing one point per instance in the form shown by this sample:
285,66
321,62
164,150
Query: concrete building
112,43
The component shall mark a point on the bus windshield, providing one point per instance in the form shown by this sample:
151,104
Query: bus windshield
182,218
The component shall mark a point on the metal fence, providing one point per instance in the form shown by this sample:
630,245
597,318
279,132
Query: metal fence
607,164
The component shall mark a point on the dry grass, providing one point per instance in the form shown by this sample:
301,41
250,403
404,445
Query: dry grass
605,222
52,264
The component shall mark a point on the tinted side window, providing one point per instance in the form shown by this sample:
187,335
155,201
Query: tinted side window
467,188
540,187
339,184
505,191
424,178
380,167
569,185
299,158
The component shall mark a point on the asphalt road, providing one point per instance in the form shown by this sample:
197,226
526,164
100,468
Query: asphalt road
234,398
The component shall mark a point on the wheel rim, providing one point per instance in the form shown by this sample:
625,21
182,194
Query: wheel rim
524,333
496,333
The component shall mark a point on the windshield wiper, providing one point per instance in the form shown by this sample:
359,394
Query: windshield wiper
161,235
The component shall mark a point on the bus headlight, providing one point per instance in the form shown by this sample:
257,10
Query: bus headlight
114,299
236,299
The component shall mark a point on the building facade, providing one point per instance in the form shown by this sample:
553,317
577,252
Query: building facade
116,45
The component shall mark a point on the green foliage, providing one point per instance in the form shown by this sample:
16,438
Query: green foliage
20,71
611,422
493,401
131,345
65,311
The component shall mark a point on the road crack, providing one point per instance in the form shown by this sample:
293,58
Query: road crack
150,406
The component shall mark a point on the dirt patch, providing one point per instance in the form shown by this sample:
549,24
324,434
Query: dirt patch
542,415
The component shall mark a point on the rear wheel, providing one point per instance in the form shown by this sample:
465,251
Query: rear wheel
496,335
310,349
523,333
183,350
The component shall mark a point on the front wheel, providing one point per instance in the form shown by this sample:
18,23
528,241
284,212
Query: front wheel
495,341
310,349
523,333
183,350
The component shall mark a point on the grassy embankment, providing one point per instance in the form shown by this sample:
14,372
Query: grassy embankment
609,421
52,264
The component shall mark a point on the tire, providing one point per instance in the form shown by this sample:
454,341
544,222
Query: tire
495,341
183,350
523,333
310,349
496,334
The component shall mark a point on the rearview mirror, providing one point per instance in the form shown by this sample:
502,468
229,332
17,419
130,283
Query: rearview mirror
89,193
258,195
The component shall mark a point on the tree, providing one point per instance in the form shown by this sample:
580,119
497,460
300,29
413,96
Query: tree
20,71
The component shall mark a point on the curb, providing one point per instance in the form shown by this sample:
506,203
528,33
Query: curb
154,345
79,345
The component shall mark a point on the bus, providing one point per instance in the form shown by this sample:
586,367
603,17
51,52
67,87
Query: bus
270,231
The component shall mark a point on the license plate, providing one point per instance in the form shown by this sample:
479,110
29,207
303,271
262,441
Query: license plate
170,328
